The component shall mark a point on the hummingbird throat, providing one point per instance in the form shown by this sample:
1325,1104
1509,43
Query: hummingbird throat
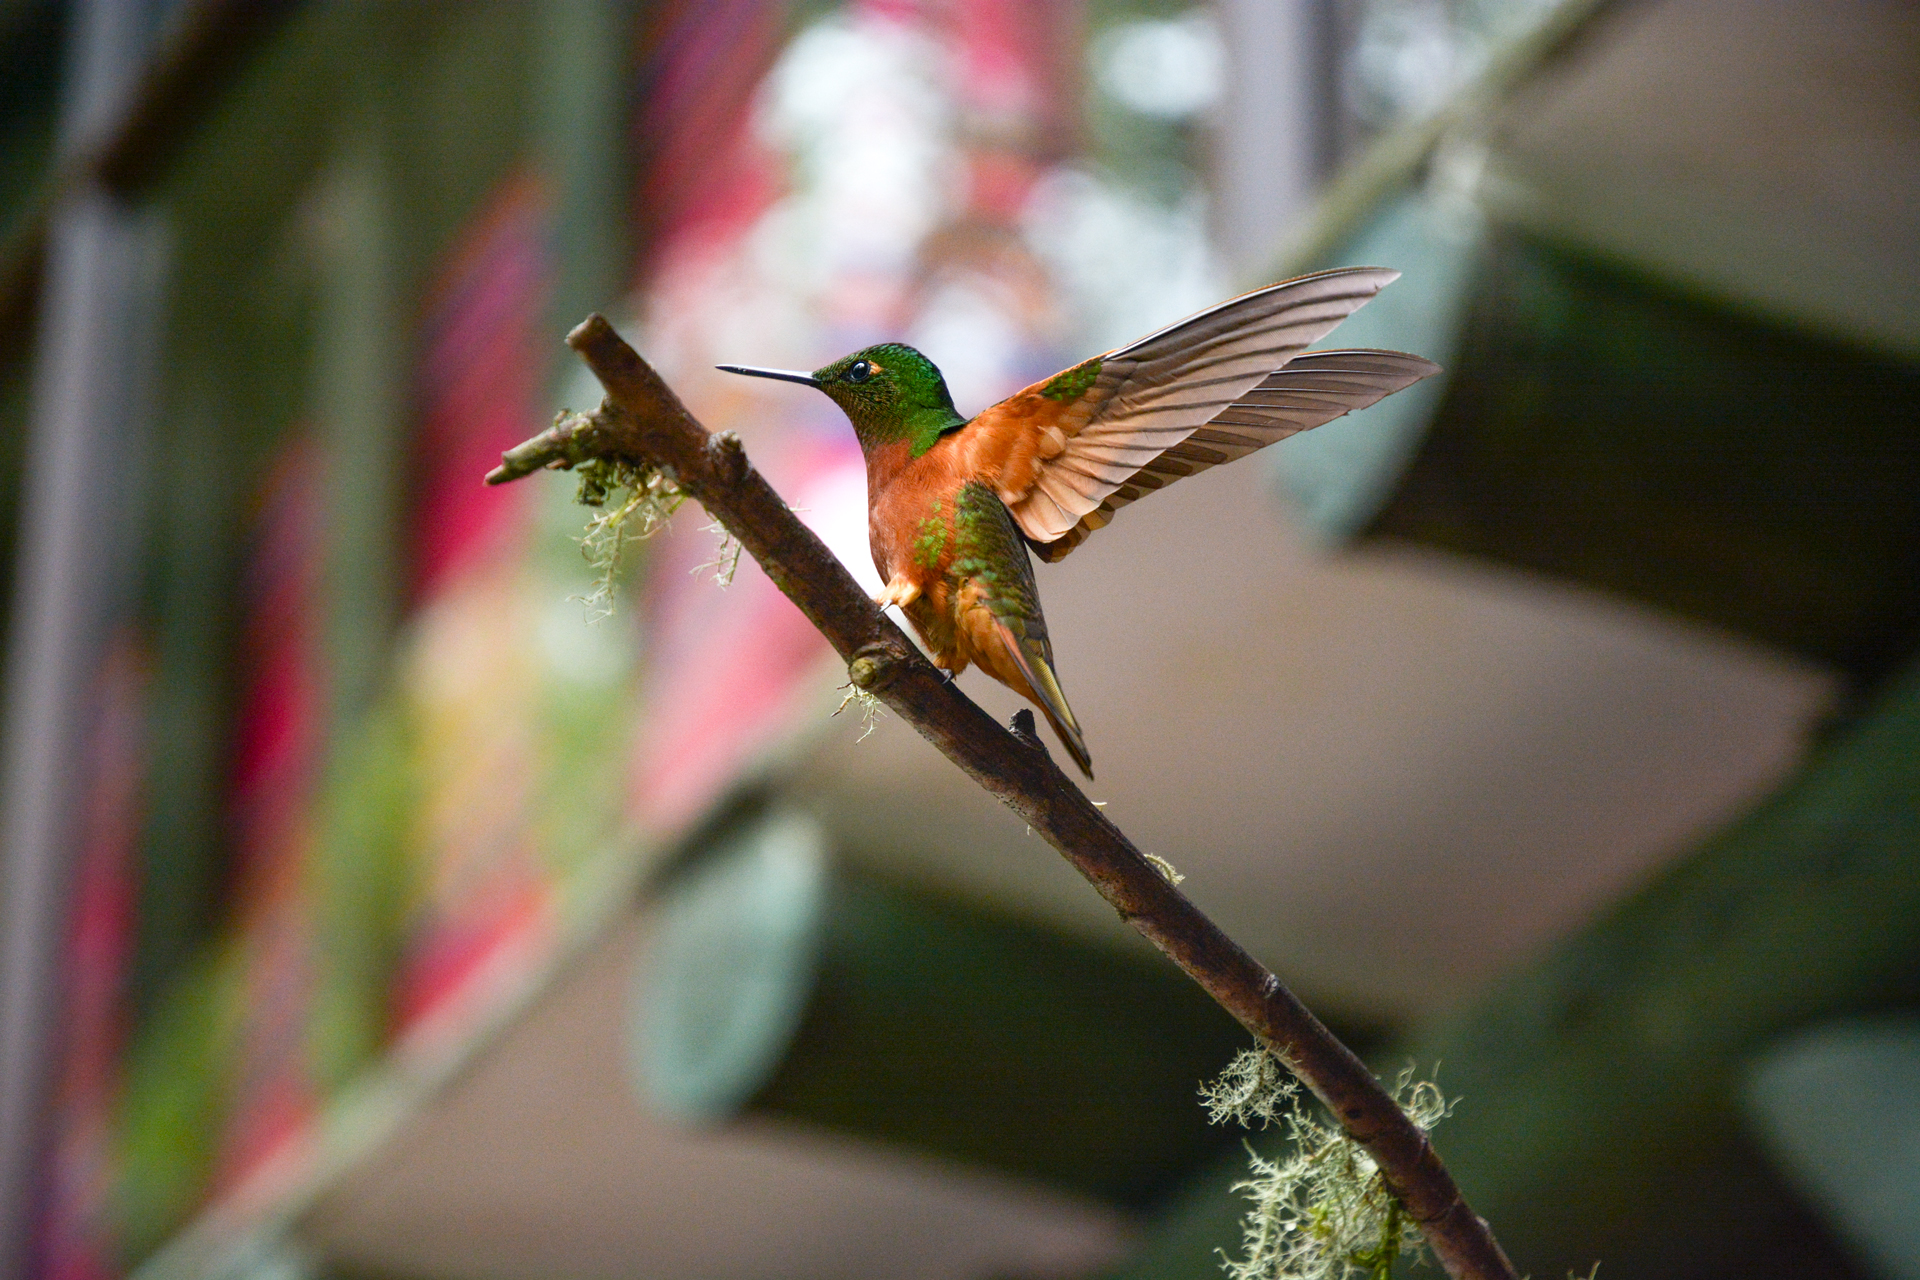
919,427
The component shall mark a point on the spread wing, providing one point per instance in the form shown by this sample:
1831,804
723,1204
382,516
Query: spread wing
1060,449
1315,387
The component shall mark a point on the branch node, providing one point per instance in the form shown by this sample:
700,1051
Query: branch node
729,458
1025,732
593,328
873,667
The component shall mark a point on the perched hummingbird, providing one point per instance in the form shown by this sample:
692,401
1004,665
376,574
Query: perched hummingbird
954,503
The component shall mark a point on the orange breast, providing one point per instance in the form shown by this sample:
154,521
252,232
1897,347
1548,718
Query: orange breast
910,512
910,506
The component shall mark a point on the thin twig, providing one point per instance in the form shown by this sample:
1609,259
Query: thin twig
642,421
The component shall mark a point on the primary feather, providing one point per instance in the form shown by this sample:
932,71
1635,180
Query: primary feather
1314,388
1121,411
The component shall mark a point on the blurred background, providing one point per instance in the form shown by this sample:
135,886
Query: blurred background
380,904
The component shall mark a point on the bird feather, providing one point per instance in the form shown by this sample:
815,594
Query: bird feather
1148,397
1314,388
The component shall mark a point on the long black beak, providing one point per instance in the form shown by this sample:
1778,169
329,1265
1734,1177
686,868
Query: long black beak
784,375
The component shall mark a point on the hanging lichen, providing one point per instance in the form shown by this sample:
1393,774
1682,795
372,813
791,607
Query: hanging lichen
870,708
632,502
1321,1211
726,556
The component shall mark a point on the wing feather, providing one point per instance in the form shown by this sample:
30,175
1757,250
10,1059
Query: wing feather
1313,389
1041,499
1149,397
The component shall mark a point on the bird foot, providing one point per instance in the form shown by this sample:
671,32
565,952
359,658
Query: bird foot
899,591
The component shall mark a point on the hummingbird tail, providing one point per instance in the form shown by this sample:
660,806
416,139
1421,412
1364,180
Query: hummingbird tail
1029,654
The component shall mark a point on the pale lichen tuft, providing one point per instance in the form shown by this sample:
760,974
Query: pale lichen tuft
1256,1086
649,499
1171,876
870,707
1321,1211
726,556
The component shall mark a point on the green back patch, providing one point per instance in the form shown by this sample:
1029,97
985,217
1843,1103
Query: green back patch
988,549
931,545
1073,384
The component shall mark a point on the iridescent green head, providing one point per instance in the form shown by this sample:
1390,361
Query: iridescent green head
889,392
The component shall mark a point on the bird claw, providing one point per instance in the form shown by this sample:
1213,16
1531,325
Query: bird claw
897,592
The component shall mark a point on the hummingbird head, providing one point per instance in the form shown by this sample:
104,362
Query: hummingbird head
889,392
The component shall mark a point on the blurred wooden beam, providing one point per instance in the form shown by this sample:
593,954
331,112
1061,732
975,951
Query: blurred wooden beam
204,50
1603,427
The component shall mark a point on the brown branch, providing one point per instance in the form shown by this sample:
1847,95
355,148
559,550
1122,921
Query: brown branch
643,422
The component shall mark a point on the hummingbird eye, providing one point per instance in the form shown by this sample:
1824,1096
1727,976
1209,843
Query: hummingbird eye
859,371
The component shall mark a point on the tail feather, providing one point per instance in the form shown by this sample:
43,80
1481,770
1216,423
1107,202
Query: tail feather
1029,653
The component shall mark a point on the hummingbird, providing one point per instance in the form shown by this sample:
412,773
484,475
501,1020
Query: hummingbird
955,504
